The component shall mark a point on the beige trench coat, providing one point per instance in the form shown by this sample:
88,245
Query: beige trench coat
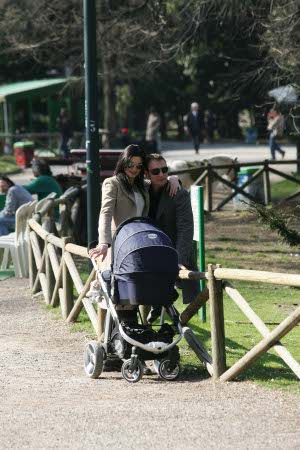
117,205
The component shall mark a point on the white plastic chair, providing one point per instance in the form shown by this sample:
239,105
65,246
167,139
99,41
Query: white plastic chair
14,243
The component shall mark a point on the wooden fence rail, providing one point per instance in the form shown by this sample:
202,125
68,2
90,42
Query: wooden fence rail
217,277
208,173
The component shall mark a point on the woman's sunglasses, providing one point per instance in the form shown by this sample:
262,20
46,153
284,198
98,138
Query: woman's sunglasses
158,170
130,165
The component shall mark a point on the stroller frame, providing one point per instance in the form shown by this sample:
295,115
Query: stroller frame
133,368
166,365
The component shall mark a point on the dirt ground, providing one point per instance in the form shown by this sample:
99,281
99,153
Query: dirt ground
47,402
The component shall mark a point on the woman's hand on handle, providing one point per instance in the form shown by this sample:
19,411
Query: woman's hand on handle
100,250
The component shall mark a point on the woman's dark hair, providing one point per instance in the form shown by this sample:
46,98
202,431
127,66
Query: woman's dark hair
41,167
7,180
124,158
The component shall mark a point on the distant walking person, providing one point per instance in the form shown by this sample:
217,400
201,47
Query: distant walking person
195,125
275,127
152,131
64,125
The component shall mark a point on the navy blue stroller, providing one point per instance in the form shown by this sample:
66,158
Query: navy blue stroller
144,271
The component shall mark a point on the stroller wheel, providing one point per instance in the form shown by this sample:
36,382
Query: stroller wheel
132,376
168,370
93,359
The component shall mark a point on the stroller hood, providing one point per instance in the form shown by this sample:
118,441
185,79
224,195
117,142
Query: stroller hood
142,247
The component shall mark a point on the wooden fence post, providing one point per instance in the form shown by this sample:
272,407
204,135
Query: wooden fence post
67,284
217,324
31,263
49,275
208,188
267,185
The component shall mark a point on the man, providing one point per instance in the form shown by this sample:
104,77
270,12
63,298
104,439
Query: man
15,197
44,183
195,125
174,216
64,125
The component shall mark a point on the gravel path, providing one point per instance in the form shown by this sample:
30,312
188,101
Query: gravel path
47,402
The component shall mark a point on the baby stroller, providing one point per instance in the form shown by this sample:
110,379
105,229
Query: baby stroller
143,272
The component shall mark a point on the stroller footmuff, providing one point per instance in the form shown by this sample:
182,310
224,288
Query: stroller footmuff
144,271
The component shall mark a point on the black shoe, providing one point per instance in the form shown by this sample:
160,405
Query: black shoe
283,154
154,314
197,152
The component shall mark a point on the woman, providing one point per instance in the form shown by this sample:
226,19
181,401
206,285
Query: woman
124,195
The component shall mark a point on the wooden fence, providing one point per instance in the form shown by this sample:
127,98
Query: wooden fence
52,270
218,283
207,174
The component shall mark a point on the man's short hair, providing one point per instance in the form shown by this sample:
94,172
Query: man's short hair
154,157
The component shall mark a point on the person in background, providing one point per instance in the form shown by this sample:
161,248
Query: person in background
63,124
44,183
16,196
174,216
275,127
195,125
152,131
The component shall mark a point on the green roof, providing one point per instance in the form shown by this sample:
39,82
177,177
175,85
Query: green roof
14,91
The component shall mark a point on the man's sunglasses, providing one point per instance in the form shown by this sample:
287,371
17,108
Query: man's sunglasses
158,170
130,165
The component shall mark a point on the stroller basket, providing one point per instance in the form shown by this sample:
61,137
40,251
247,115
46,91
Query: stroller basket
144,334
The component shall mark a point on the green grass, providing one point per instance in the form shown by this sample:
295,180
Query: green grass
4,274
8,164
272,305
284,188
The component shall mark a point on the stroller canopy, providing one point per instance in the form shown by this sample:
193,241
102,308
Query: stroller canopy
140,246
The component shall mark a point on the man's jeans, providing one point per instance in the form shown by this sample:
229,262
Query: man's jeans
274,146
7,225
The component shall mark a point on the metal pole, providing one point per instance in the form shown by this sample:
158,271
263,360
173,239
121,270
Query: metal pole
91,120
201,246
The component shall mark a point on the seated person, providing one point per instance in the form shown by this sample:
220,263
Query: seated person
45,183
15,197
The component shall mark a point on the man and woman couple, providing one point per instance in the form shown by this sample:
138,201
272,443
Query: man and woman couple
129,194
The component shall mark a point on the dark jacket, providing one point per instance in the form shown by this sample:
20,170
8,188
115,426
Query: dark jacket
195,124
174,216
